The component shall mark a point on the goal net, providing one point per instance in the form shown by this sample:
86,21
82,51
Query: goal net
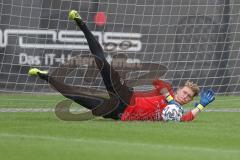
174,40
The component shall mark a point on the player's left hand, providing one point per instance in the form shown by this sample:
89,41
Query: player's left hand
206,97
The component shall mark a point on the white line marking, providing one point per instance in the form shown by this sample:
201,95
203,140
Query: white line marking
16,110
224,110
38,110
119,143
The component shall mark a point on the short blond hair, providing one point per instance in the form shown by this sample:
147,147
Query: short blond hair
193,86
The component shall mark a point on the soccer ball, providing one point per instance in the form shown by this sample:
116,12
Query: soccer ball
172,112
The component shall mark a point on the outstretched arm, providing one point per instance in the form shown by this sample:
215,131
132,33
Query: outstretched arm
206,97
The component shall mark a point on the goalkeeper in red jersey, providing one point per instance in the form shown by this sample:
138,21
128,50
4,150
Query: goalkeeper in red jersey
124,103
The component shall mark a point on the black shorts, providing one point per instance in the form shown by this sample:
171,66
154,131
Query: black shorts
117,113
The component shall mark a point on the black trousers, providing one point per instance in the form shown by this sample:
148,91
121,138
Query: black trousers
119,93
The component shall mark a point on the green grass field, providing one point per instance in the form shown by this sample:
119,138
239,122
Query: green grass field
41,135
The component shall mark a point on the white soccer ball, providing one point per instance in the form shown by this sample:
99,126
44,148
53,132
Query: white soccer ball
172,112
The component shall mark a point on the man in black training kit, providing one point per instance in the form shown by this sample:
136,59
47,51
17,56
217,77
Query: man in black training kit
124,103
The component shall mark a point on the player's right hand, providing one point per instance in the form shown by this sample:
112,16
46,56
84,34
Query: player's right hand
170,100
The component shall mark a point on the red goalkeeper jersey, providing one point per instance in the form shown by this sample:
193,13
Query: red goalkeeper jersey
149,105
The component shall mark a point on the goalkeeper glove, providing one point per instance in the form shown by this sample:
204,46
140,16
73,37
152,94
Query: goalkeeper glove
168,97
170,100
206,97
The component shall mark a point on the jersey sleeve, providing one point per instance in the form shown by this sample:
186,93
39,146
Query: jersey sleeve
160,84
187,117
